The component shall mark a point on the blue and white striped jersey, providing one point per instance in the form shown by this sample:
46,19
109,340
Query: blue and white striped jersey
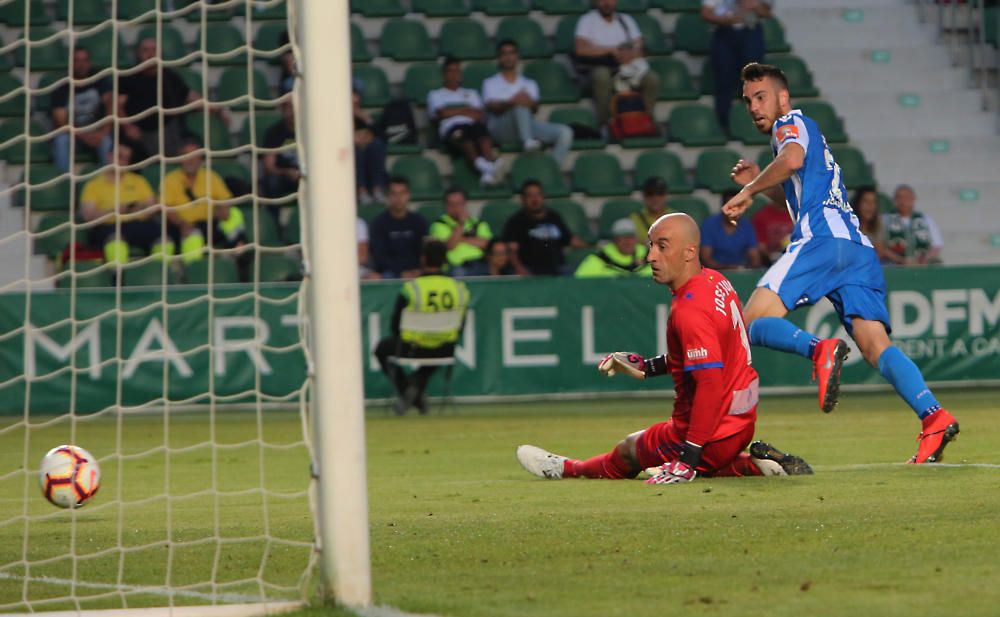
817,199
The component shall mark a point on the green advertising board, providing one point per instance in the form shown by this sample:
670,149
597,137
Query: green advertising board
523,337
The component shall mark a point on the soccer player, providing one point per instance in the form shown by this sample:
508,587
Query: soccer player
828,256
709,358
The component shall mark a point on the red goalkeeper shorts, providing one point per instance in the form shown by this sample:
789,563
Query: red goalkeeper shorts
661,443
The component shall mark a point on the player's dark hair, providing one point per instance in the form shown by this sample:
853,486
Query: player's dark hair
756,71
531,182
505,42
448,61
451,190
435,253
399,180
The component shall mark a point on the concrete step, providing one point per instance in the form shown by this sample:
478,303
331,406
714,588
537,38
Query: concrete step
828,27
914,53
880,114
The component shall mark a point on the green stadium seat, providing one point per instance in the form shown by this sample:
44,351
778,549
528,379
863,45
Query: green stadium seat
800,81
359,47
695,125
53,197
474,73
233,85
854,169
265,231
231,168
574,257
85,12
541,167
425,179
764,158
273,35
496,213
565,37
675,79
100,44
378,8
614,210
662,164
885,203
653,40
52,235
741,126
992,25
221,269
707,81
441,8
467,179
431,210
713,167
632,6
582,116
218,135
694,207
212,12
50,56
172,44
14,106
224,38
554,81
677,6
376,85
279,268
43,100
825,116
692,34
149,273
563,7
88,273
406,40
6,61
465,39
527,33
38,152
133,9
13,14
574,216
293,228
274,12
502,7
369,212
421,79
599,174
191,77
774,37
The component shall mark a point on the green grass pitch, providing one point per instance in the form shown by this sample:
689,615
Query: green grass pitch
459,529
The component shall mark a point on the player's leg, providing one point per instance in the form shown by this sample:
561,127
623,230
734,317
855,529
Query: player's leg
619,463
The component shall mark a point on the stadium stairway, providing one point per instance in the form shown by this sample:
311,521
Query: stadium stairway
917,117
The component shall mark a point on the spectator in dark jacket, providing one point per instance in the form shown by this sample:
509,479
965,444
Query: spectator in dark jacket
396,236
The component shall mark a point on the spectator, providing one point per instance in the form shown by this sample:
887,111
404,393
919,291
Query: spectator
911,237
725,246
865,204
288,69
92,102
625,256
461,118
369,155
609,43
126,198
364,272
537,235
512,101
497,260
773,226
397,234
738,40
465,236
281,169
654,200
190,194
139,92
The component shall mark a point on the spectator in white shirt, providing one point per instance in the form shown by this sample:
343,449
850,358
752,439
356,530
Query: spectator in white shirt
460,117
605,42
512,101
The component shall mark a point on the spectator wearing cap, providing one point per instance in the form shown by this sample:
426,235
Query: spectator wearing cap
725,246
654,201
624,256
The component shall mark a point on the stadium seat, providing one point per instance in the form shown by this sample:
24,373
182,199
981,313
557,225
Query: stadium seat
825,116
218,135
614,210
265,230
663,164
474,73
707,82
425,179
694,207
633,6
565,36
692,34
677,6
172,44
48,240
50,56
675,80
582,116
38,152
378,8
53,197
502,7
376,85
496,213
774,37
369,212
232,169
467,179
211,12
222,270
741,126
562,7
149,273
441,8
421,79
695,125
575,217
233,84
992,25
13,14
224,39
764,158
6,62
100,44
85,12
574,257
554,81
541,167
885,203
854,169
406,40
279,268
273,35
191,77
599,174
713,167
274,12
359,47
42,101
293,228
465,39
430,210
14,106
527,33
88,273
800,81
653,40
133,9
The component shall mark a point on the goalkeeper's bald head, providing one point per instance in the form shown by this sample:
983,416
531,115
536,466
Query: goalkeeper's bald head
678,226
674,247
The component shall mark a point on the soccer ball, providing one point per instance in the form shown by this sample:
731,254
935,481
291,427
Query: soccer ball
69,476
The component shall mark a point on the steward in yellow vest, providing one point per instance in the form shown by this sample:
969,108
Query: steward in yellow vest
465,236
623,257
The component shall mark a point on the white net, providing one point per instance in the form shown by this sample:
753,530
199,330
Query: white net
150,304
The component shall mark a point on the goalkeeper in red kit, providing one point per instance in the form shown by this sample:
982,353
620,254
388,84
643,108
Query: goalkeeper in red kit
717,388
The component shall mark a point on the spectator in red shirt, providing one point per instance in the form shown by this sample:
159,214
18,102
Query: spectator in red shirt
773,226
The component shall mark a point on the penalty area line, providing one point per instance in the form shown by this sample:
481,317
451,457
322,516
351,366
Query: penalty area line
863,466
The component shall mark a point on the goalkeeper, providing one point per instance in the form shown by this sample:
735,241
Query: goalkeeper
709,358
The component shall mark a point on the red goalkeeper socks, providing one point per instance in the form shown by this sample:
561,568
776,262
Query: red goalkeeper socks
740,466
610,465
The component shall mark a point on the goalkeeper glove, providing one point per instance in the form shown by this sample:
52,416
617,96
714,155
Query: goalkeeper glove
625,362
673,472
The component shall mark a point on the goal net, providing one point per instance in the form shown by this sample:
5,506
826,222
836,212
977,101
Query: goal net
152,304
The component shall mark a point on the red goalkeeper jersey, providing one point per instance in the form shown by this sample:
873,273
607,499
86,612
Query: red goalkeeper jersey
705,331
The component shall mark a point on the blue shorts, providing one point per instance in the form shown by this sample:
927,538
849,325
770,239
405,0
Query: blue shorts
846,272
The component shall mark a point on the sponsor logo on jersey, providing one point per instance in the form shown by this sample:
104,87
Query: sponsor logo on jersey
698,353
789,131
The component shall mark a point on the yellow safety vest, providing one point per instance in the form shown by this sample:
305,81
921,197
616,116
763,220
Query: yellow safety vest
433,293
610,262
462,253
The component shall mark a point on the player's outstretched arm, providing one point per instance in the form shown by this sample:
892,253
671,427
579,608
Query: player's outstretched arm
769,180
632,364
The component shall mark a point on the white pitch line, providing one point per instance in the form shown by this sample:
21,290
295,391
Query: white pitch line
862,466
155,591
385,611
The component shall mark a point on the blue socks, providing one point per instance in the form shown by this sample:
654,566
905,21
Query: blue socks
783,335
905,377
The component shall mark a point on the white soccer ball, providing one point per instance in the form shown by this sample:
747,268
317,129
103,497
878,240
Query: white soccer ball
69,476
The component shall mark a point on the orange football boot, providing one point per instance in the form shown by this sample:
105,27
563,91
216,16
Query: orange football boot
828,358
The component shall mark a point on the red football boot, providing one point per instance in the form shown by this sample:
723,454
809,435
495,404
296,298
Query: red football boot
939,429
828,358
